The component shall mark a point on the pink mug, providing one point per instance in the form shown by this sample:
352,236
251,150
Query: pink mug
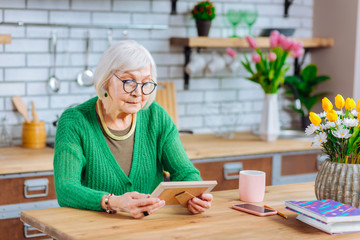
251,185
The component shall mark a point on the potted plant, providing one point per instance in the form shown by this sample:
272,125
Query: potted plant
337,132
269,72
305,85
203,13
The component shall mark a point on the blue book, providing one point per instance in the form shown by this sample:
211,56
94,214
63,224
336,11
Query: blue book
326,211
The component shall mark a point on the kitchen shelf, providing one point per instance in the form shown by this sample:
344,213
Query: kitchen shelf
5,38
263,42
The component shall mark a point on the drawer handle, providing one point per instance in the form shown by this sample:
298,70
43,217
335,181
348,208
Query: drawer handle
41,184
230,169
28,228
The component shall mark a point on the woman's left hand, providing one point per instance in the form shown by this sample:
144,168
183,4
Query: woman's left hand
199,205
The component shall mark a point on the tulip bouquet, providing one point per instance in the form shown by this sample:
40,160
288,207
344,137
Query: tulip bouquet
271,67
337,131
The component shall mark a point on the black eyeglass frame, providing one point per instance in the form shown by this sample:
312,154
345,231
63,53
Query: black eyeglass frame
137,84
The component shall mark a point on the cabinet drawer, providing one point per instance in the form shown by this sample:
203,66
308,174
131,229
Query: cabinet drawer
15,229
299,164
215,171
27,189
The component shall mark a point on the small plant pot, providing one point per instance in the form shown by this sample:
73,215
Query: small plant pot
203,27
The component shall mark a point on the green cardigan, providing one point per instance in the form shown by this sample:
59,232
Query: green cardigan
85,169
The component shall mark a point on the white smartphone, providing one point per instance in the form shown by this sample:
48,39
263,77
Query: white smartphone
254,209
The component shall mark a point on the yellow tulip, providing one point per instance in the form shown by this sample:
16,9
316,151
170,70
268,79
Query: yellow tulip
314,119
358,117
349,104
332,115
339,101
326,104
358,106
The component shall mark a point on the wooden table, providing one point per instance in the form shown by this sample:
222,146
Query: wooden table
220,222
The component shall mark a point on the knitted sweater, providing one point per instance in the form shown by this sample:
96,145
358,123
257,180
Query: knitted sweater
85,169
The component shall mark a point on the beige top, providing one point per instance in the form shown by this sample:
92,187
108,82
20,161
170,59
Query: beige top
121,149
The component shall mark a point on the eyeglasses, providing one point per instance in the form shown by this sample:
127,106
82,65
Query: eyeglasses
130,85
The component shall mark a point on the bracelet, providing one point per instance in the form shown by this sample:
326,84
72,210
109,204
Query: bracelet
108,208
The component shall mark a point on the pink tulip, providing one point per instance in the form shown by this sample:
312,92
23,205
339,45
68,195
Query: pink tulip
274,33
256,58
231,52
272,56
280,39
251,42
299,52
297,46
287,43
273,41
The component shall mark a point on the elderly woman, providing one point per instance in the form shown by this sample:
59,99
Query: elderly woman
110,151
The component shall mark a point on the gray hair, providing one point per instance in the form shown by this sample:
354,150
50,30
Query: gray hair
126,55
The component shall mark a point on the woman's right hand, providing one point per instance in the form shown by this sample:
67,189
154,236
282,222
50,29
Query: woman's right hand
136,204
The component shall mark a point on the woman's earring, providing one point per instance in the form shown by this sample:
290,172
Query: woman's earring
105,94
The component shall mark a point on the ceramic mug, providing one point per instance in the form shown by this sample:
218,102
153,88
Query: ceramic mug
234,65
197,63
252,185
216,63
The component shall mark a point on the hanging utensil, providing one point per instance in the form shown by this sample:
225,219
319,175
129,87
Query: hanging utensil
109,37
20,106
53,82
86,78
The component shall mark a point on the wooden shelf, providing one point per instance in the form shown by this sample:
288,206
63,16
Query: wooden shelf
263,42
5,38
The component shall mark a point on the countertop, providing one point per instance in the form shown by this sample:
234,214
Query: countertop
198,146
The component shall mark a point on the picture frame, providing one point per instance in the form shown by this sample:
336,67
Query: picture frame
180,192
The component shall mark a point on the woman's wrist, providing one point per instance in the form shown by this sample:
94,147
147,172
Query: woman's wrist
105,203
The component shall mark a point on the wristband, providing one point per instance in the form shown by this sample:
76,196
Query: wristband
108,208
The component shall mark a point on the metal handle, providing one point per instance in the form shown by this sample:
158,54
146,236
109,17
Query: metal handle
28,228
36,185
232,168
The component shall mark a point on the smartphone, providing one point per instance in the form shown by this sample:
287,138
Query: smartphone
254,209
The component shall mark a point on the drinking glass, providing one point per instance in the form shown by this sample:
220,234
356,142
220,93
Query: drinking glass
250,17
5,137
234,17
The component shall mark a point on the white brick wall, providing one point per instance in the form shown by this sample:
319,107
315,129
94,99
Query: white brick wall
25,16
48,4
214,103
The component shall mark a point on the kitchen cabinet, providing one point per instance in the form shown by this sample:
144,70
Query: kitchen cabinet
284,161
26,183
263,42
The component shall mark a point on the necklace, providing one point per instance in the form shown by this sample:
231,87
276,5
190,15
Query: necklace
126,136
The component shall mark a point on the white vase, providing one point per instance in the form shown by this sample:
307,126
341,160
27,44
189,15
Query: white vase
269,126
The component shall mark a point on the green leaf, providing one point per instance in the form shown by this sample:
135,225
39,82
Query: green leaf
309,72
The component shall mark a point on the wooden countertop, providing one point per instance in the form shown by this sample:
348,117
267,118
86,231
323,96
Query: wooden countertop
197,146
208,146
220,222
21,160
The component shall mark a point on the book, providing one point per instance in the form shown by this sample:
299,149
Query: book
178,193
331,228
327,210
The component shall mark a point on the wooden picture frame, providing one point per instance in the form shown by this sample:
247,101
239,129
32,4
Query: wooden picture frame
175,193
